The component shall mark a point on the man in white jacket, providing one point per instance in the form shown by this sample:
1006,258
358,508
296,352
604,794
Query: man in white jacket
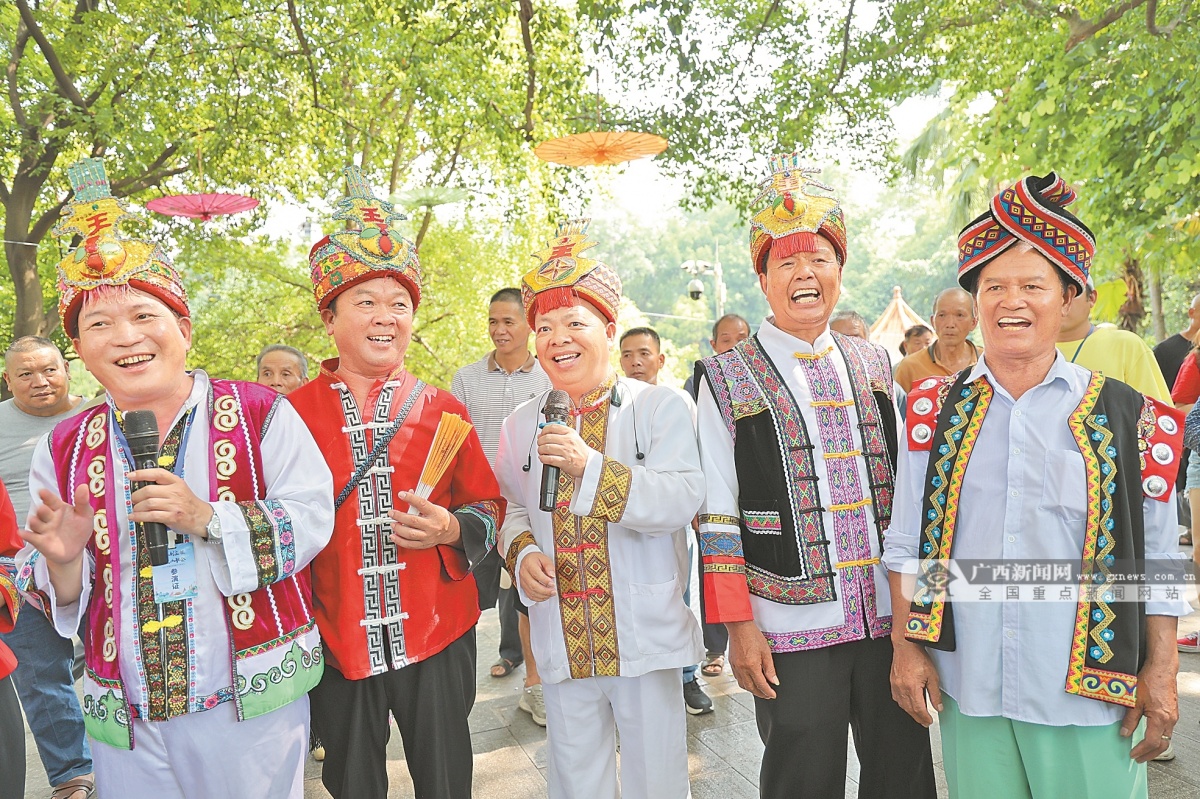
602,573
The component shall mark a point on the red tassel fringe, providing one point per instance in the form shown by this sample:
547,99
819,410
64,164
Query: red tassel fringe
555,298
794,243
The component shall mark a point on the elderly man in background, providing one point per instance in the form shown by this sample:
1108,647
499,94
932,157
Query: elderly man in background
39,379
283,368
1029,458
953,320
850,323
798,440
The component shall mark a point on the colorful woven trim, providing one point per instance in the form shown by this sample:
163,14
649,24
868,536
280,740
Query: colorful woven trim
959,434
582,563
564,276
104,257
1093,636
765,521
371,248
612,494
1032,210
523,540
794,215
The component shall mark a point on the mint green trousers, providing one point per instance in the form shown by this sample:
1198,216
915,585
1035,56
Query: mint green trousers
992,757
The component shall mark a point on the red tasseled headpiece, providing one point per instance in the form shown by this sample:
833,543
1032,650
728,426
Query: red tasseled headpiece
553,299
793,243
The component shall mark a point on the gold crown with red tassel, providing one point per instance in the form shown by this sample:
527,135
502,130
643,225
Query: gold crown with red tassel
370,247
563,276
794,215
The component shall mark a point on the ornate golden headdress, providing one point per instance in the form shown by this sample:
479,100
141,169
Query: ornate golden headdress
564,276
794,214
104,257
371,249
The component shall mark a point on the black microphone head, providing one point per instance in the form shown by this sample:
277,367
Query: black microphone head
141,431
558,406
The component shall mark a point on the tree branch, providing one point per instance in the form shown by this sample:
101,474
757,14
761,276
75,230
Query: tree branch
14,95
845,47
66,86
399,154
761,29
1081,30
41,227
525,13
305,48
1164,30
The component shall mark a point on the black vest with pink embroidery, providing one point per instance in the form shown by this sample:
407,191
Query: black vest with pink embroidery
781,516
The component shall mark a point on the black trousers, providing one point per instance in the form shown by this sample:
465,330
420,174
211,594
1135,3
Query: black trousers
12,742
430,701
821,692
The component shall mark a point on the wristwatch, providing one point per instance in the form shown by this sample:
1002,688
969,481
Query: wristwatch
212,530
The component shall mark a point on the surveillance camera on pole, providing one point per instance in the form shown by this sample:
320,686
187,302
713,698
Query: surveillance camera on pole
695,289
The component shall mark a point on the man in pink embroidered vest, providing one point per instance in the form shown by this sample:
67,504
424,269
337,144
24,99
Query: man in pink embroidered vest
197,670
797,439
393,592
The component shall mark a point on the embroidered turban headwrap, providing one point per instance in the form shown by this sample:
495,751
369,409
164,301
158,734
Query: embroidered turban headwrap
104,257
369,248
564,277
1033,211
794,216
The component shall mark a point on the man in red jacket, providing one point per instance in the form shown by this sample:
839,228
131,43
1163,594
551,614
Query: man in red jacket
393,591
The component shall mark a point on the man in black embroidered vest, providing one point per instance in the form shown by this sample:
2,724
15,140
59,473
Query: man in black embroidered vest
798,439
1028,459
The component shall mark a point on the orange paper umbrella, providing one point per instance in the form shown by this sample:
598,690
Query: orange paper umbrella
600,147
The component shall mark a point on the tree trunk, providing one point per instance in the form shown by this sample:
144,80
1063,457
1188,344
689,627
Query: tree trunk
1157,322
30,318
1132,311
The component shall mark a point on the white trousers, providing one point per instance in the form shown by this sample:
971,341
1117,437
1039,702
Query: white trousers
582,719
209,755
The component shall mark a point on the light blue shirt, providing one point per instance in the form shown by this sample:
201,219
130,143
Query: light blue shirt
1023,498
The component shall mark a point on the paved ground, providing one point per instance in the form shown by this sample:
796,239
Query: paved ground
723,746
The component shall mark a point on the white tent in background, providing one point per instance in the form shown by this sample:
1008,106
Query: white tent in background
888,330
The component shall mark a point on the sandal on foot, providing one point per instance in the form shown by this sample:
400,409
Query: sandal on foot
714,666
79,788
503,667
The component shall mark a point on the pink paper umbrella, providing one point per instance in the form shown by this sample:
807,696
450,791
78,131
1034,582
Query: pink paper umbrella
202,206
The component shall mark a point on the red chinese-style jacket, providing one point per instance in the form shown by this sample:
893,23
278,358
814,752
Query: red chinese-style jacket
381,607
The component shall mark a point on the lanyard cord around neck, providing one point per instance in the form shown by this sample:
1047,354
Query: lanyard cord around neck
1091,329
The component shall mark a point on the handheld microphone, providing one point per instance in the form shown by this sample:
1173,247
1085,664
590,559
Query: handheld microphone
558,411
141,431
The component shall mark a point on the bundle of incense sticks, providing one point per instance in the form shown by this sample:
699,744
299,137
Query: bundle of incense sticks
451,433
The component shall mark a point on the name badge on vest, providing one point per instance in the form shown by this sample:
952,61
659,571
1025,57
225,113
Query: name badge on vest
176,579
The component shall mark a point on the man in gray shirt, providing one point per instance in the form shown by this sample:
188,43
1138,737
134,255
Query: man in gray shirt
491,388
37,376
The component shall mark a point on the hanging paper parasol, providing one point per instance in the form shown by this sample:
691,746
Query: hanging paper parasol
202,206
600,147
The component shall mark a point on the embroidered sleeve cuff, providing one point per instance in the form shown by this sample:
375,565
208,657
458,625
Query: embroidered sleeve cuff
40,594
477,524
258,546
726,596
603,491
512,557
